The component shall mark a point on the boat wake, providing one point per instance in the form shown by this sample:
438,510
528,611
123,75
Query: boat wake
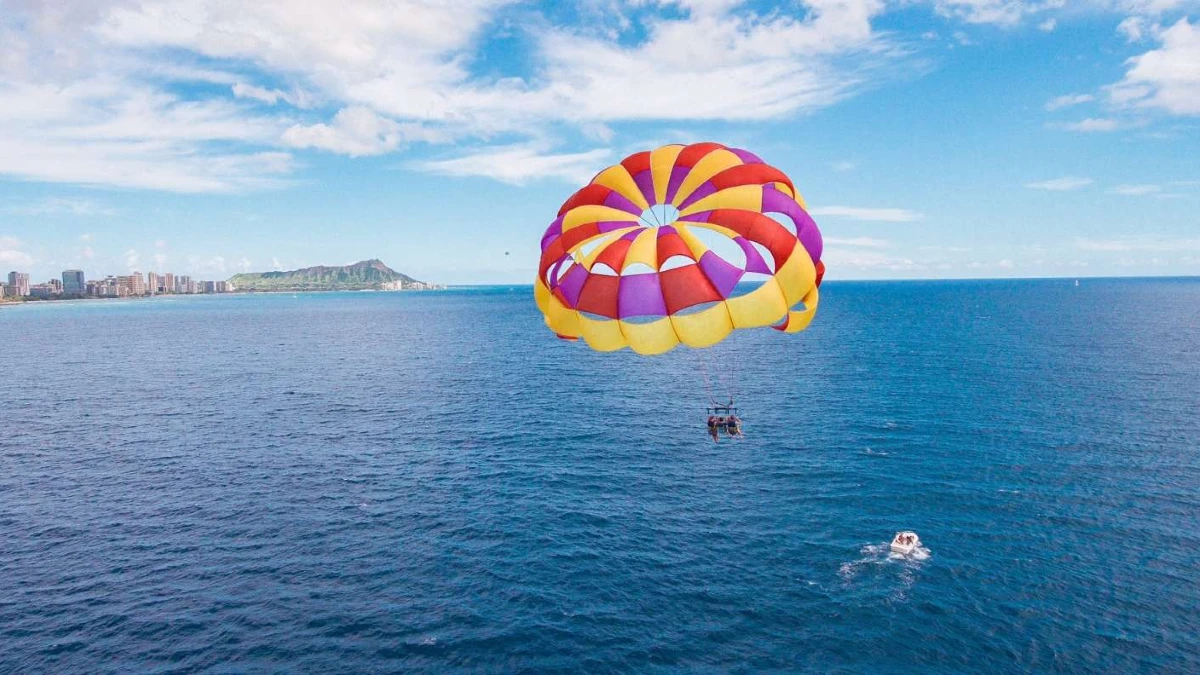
892,572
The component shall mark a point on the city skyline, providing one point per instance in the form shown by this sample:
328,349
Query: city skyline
931,139
74,283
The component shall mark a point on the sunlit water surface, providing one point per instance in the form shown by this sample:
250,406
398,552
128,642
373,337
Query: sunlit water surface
369,482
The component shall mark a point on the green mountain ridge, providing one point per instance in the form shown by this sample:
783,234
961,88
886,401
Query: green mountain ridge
365,275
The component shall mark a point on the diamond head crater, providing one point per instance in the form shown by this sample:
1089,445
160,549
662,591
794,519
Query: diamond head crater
368,275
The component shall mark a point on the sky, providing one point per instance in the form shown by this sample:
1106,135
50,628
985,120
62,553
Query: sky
930,138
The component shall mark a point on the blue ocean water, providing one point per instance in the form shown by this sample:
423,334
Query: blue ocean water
431,482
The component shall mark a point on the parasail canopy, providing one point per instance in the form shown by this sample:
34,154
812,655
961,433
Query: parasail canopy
682,244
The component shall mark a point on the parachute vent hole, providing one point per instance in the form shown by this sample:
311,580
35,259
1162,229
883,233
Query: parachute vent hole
720,244
765,254
784,220
586,249
659,215
675,262
603,270
637,268
555,279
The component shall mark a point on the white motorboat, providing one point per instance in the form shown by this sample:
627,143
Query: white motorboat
905,543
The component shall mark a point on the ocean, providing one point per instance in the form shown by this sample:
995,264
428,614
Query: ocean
432,482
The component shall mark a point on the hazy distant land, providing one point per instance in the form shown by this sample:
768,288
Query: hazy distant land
361,276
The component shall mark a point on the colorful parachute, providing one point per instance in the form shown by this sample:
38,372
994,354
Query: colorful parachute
626,262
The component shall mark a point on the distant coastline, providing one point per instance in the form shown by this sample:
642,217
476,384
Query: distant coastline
368,275
16,302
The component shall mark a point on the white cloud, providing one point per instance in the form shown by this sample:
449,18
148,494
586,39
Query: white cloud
842,166
11,254
298,98
1092,124
1167,78
1061,184
103,106
1068,101
1005,264
999,12
1136,190
131,259
860,242
160,260
884,215
87,236
1132,28
215,264
244,264
1139,243
88,252
357,131
947,249
275,265
839,259
520,164
1048,25
56,205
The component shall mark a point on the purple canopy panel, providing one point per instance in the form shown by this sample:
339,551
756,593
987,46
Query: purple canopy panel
701,217
746,156
645,183
754,260
775,201
572,284
640,295
677,175
724,276
810,238
553,231
617,200
552,278
706,188
612,225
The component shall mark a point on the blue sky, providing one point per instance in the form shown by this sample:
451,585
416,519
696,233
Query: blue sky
952,138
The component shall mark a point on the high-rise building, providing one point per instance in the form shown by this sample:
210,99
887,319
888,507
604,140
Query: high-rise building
133,284
151,283
181,283
56,286
19,282
73,282
168,283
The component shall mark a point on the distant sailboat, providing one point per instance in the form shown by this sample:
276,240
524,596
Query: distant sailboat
1076,283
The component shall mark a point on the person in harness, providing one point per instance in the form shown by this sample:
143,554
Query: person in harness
733,426
714,427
